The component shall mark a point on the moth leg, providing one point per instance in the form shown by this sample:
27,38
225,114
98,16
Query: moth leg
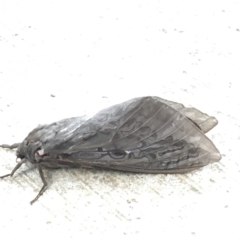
44,187
15,169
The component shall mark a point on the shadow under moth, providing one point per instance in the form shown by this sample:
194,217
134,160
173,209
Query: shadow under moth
143,135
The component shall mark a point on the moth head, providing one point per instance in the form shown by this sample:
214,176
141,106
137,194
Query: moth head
21,150
27,150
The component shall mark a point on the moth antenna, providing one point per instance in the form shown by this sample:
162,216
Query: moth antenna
15,145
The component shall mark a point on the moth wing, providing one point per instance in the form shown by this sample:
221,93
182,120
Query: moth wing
49,137
141,135
202,120
145,135
96,132
80,133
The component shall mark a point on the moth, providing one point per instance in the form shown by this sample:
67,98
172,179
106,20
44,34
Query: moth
142,135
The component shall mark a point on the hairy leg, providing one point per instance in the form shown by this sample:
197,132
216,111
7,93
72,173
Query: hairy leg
44,187
15,169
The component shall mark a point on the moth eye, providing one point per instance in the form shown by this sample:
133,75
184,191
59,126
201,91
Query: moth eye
99,149
118,154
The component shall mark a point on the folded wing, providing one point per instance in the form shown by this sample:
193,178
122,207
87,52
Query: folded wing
147,134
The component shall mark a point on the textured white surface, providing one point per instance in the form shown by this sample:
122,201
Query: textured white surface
90,55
